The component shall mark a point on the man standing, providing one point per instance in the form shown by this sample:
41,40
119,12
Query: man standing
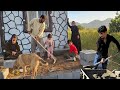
36,28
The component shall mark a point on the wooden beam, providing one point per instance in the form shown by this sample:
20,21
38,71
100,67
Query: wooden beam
2,35
25,22
0,23
49,29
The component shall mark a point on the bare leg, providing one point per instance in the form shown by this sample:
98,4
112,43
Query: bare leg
48,53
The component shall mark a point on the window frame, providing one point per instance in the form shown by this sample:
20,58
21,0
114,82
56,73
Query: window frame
26,21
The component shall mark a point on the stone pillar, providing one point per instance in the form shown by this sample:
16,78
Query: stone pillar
0,45
59,19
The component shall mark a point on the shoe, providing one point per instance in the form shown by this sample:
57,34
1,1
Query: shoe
69,58
74,59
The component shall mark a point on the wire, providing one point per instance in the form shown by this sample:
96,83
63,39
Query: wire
115,62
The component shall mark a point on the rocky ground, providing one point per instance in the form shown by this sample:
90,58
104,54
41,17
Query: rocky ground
60,65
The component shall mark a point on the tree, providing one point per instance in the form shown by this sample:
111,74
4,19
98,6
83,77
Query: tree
114,26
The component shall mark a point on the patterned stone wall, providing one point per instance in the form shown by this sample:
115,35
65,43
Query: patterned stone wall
59,20
13,24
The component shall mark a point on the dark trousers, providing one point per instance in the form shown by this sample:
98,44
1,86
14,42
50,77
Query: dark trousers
98,59
8,55
68,55
77,43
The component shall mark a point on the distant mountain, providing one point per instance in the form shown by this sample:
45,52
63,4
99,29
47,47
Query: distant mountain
96,23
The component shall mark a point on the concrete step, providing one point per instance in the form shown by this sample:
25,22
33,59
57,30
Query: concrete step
8,63
68,74
4,73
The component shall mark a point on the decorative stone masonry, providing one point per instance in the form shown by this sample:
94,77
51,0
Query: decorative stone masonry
13,24
67,74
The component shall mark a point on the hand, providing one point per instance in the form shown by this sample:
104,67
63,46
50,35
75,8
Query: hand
102,60
13,53
37,38
29,32
78,36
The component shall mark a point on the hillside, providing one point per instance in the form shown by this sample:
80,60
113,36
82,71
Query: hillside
95,23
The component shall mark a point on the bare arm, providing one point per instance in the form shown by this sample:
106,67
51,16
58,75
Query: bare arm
68,23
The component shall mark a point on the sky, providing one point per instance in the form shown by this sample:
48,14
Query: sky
88,16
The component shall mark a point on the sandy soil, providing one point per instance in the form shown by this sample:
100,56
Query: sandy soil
60,65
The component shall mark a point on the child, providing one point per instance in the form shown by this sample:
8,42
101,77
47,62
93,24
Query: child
49,44
73,52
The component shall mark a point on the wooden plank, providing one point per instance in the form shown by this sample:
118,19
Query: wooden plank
2,33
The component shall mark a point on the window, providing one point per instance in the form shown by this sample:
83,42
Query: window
46,14
29,15
48,20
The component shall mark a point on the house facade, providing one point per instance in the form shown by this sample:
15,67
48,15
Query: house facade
16,22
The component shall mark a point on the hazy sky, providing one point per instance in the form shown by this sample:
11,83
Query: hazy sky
88,16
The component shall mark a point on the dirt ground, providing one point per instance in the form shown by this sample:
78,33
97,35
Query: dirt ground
60,65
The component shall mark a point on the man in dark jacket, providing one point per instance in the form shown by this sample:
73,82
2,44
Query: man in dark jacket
103,45
12,49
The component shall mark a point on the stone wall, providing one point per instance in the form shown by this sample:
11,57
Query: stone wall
13,24
68,74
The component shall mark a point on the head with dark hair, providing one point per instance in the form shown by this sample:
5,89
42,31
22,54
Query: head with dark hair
102,30
73,23
14,39
69,42
49,36
42,18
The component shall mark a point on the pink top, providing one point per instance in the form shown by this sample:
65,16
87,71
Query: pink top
49,43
